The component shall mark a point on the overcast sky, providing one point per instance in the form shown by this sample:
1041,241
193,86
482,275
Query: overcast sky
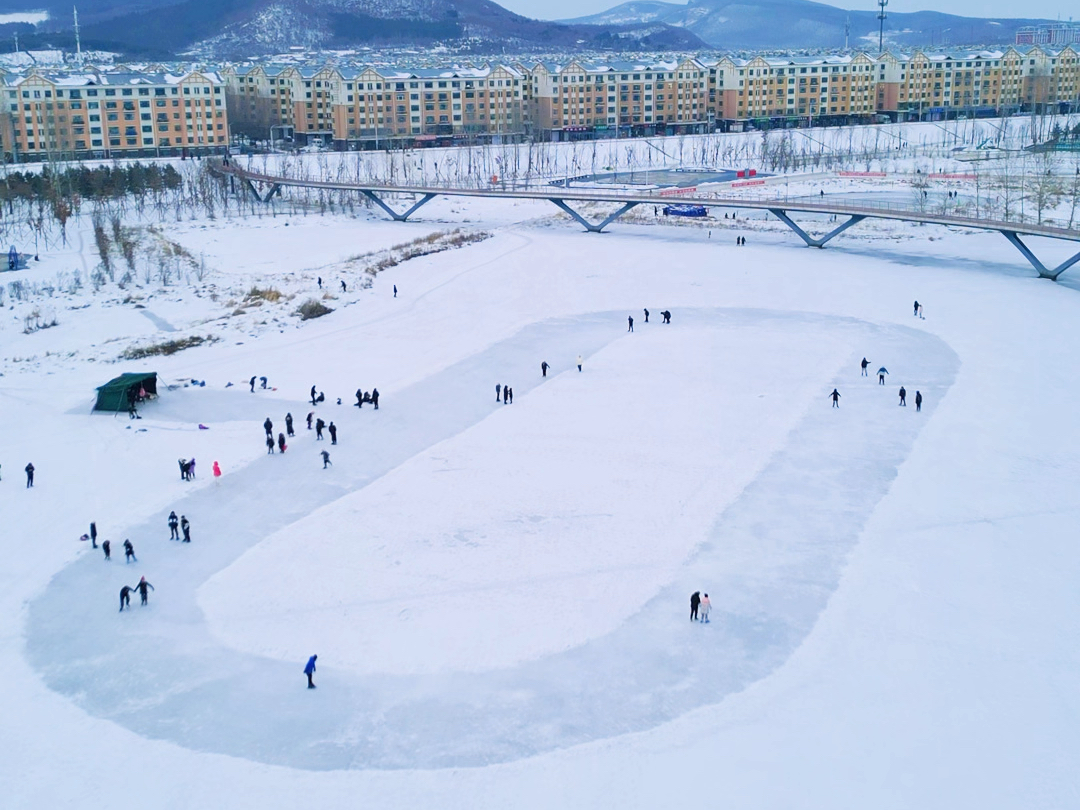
1050,9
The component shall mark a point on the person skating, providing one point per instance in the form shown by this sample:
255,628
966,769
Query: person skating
704,608
251,382
125,598
881,372
142,586
864,364
319,425
129,552
326,460
630,320
309,670
579,362
903,396
375,398
310,416
667,316
918,401
498,392
93,534
646,316
29,475
174,521
269,445
106,546
281,442
185,527
543,368
332,428
835,396
268,426
695,600
288,425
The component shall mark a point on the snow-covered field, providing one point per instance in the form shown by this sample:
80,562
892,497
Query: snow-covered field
495,591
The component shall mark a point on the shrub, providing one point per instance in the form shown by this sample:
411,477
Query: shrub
269,294
312,309
166,348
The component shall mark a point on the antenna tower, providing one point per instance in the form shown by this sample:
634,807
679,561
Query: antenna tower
78,44
881,25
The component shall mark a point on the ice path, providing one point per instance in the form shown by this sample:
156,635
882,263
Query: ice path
774,558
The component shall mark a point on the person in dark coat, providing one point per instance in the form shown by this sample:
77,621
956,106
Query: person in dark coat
918,401
360,398
498,392
281,442
319,425
125,598
646,316
185,527
326,460
667,316
310,416
268,426
142,586
695,600
288,425
509,394
174,521
343,287
864,364
903,396
333,433
630,320
375,398
916,312
129,552
262,382
543,368
835,397
313,395
29,475
309,670
106,546
93,535
252,383
183,468
191,470
269,444
395,291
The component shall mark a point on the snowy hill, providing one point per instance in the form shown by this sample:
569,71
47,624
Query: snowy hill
752,24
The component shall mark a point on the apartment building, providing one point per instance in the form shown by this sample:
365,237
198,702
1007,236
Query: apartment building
97,114
354,107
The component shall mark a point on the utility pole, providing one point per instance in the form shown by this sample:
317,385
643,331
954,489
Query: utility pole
881,25
847,31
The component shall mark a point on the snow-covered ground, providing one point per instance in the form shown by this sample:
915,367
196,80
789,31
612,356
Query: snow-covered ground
496,592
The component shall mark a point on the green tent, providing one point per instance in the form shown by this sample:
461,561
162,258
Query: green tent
119,393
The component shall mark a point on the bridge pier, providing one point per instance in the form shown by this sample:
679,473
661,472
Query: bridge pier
375,198
274,189
590,227
811,241
1043,270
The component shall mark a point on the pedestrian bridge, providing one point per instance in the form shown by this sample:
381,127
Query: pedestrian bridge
264,187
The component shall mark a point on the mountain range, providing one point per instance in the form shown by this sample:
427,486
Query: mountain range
241,28
802,24
225,29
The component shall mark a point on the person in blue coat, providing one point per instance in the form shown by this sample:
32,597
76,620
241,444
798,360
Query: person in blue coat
309,670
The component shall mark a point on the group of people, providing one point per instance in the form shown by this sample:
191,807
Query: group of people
364,396
505,394
881,372
700,607
187,469
177,525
